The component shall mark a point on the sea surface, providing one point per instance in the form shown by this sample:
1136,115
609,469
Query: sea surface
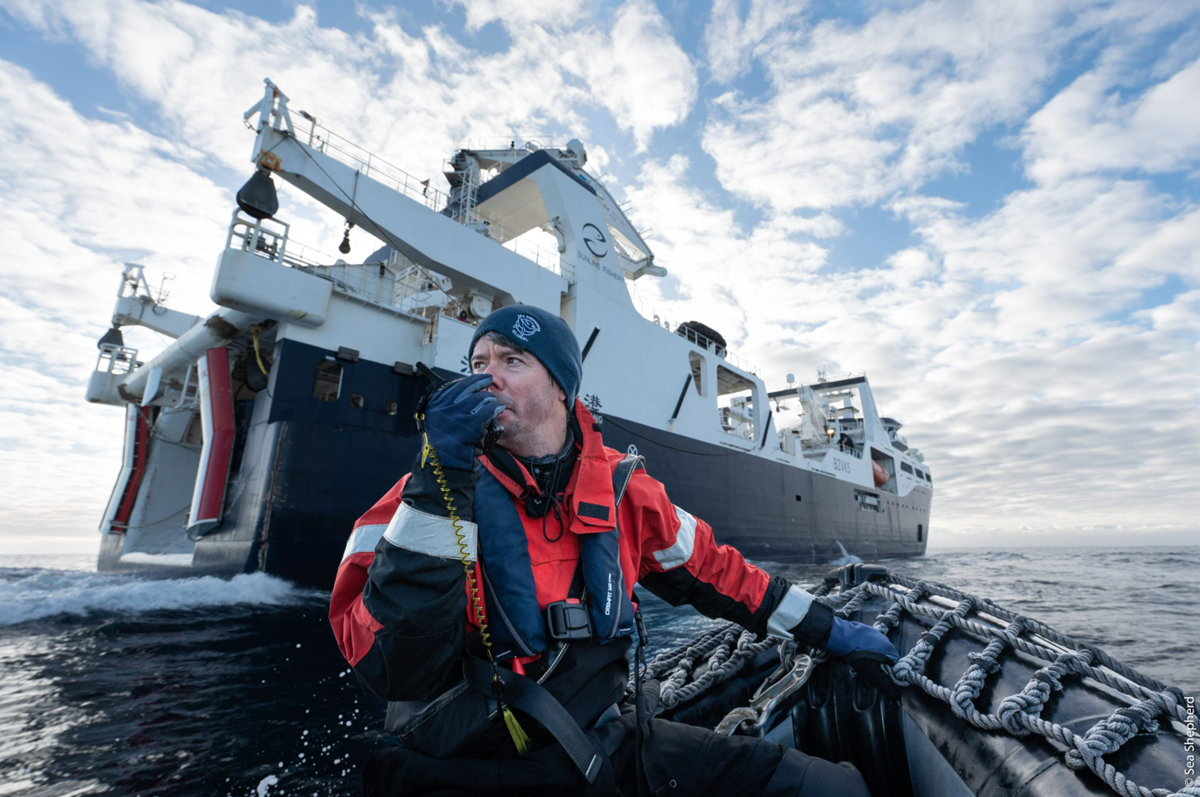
125,686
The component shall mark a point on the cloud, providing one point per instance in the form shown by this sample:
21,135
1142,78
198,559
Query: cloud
1089,128
394,90
642,76
858,113
521,13
731,41
80,196
1009,344
1028,347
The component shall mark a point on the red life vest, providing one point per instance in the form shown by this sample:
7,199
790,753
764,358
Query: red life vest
523,569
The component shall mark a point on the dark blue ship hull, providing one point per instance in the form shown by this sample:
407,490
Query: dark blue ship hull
306,469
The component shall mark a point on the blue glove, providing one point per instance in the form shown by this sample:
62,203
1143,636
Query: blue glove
456,417
866,650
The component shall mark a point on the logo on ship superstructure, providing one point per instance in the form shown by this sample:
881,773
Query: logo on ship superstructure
594,240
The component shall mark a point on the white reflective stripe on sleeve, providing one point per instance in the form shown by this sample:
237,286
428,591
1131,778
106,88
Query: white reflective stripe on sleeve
685,541
363,539
414,530
789,612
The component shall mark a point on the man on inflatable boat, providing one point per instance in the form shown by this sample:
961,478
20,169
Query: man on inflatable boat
538,542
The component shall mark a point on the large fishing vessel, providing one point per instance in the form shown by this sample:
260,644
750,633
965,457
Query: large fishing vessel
261,432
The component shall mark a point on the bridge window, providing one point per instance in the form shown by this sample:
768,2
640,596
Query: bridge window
697,363
735,403
327,380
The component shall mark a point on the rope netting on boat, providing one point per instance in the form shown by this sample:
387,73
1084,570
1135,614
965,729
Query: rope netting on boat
716,656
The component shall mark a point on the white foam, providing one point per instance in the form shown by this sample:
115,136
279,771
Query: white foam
47,593
846,558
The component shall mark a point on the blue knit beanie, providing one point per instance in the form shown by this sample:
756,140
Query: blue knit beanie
545,336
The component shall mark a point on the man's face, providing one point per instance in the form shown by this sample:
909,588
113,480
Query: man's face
535,409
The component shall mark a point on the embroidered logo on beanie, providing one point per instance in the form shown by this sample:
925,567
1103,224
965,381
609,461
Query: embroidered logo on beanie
525,327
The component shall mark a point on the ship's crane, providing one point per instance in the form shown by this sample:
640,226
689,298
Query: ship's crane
380,199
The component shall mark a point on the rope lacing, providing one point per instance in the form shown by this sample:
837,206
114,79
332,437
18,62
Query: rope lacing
725,650
1018,714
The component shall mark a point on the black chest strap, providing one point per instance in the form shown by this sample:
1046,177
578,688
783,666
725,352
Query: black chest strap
529,696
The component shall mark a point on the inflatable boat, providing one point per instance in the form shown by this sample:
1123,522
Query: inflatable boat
991,703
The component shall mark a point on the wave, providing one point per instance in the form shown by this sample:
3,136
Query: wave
846,558
27,595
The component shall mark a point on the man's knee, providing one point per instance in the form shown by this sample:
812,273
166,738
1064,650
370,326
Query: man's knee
800,775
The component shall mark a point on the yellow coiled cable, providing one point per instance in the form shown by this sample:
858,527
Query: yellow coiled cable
429,453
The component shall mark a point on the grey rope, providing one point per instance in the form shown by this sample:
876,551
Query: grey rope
726,650
1018,714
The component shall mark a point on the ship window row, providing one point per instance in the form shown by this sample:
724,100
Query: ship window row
327,386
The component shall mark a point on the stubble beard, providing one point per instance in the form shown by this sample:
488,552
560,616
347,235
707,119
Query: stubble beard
525,438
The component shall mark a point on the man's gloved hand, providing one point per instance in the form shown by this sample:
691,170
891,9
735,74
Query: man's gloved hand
866,650
456,417
863,648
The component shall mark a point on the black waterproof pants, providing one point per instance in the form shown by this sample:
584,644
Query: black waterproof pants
680,760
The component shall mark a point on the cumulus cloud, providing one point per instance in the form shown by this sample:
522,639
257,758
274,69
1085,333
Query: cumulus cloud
1020,345
1001,341
643,76
80,196
519,13
732,40
857,113
1089,128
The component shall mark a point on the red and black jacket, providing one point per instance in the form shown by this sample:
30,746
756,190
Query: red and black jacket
399,607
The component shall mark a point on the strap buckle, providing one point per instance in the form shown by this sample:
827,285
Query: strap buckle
568,620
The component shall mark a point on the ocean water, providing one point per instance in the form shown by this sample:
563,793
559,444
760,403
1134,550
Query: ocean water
124,686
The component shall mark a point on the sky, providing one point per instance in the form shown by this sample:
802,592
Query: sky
991,208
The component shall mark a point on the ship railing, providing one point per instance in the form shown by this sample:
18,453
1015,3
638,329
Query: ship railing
823,377
692,336
371,165
116,360
276,244
414,290
531,143
302,256
257,237
463,210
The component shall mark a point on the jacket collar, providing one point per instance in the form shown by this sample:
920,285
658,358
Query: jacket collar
590,491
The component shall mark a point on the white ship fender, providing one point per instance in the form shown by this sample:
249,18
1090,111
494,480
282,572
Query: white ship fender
216,421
